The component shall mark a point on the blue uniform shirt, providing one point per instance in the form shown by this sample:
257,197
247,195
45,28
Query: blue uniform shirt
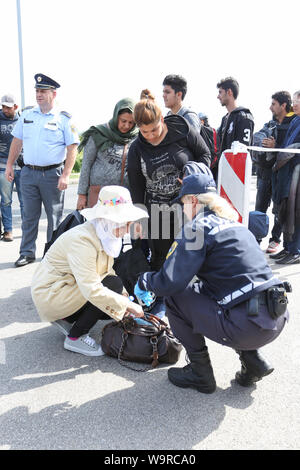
45,136
224,255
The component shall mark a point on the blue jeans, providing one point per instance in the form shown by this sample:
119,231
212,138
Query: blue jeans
6,190
263,201
263,194
294,245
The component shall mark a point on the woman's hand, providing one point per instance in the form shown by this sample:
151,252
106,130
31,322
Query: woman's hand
81,202
134,309
137,231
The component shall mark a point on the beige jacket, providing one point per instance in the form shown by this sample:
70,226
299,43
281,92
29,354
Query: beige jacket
70,274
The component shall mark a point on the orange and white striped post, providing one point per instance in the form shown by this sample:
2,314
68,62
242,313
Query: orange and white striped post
234,179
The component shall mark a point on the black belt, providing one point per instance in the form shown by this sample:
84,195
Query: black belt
44,168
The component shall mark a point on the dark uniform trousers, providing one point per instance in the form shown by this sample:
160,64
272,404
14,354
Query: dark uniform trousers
40,187
193,316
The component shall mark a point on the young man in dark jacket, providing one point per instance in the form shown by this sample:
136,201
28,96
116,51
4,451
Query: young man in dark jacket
238,123
174,91
271,135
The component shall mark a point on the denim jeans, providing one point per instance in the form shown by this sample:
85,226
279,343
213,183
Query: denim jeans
263,194
263,201
294,245
6,191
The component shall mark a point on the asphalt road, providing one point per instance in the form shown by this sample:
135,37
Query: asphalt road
55,399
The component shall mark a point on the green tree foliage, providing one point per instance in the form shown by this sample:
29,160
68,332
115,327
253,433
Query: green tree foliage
78,161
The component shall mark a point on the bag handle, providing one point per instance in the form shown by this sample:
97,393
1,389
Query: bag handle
154,363
156,321
123,162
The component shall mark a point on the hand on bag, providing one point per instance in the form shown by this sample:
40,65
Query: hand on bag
81,202
135,310
143,295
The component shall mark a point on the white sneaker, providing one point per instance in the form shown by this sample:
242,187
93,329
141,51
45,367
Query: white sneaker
84,345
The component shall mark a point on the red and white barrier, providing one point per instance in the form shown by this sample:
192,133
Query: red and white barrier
234,179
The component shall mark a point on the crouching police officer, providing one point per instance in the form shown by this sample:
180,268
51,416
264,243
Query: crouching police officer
235,301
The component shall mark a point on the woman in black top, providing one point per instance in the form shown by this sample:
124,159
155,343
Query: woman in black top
155,162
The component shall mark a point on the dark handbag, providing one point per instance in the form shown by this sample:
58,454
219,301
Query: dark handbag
152,342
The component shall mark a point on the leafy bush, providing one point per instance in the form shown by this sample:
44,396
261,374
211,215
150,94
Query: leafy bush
78,161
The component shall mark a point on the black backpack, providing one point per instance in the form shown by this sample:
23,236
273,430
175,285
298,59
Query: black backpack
130,264
72,219
210,137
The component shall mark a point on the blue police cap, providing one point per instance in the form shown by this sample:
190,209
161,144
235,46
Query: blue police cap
44,82
196,184
194,168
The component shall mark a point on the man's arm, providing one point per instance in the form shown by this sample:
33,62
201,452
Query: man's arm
14,151
70,162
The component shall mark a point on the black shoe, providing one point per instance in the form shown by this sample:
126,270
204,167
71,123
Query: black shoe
7,237
198,374
23,260
254,368
280,254
290,258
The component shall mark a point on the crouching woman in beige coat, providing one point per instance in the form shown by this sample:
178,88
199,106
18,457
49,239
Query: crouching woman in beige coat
75,285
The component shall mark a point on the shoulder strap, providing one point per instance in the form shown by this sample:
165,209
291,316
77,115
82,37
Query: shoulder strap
123,162
188,111
27,107
215,140
65,113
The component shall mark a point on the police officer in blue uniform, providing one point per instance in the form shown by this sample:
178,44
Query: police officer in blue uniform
49,140
235,300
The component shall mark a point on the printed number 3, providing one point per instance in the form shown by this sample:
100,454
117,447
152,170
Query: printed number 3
247,135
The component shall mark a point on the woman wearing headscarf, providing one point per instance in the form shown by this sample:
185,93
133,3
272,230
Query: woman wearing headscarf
105,154
75,284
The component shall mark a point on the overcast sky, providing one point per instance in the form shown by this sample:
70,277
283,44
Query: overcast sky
102,51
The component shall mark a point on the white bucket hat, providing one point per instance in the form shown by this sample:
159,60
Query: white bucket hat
114,204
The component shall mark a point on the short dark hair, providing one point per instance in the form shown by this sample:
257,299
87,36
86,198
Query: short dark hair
229,83
177,82
283,97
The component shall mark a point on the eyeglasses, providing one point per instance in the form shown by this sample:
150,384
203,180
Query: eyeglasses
296,101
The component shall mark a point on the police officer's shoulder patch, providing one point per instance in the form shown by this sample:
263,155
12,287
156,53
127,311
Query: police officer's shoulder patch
26,108
172,249
65,113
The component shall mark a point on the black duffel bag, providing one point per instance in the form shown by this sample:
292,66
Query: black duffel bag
151,342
